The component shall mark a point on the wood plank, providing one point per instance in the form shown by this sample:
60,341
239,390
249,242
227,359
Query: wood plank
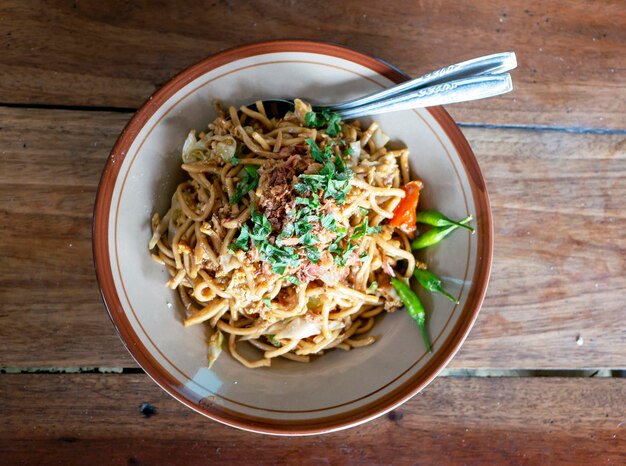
88,53
559,269
51,164
75,419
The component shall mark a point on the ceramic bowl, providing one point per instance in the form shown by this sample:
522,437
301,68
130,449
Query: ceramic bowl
340,389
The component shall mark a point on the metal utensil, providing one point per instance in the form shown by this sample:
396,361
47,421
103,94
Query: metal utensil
474,79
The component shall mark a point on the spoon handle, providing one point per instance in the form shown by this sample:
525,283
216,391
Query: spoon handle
487,65
461,90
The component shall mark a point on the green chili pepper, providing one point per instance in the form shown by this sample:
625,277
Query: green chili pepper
414,307
431,282
437,219
435,235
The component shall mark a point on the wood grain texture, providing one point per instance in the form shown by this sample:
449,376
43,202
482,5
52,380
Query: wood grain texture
97,54
559,267
96,419
51,164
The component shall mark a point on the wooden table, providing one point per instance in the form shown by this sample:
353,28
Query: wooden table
553,153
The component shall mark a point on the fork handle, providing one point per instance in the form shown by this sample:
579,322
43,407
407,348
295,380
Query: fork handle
462,90
489,64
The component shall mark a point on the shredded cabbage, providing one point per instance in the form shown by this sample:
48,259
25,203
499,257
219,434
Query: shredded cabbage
207,148
215,346
176,219
195,150
226,147
379,138
356,152
301,109
298,328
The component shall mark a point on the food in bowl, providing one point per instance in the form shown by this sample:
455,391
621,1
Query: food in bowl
340,389
292,234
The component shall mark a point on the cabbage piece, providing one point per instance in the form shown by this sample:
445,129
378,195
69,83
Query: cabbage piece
226,147
331,277
335,325
159,230
355,156
189,143
215,346
227,263
175,220
379,139
298,328
301,109
272,329
195,150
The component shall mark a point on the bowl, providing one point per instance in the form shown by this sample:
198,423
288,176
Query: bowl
340,389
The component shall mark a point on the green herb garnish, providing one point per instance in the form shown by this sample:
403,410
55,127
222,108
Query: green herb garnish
242,240
341,233
333,179
331,120
342,257
249,181
320,155
272,339
313,202
328,222
308,239
292,279
334,123
278,258
261,226
313,254
364,229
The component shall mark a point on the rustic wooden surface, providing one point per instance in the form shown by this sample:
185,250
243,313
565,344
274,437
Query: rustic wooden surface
553,154
117,53
455,421
558,272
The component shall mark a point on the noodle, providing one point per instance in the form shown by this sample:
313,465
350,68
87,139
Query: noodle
279,235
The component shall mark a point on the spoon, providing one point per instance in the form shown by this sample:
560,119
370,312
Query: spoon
474,79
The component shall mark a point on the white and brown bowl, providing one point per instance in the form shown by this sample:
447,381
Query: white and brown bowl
340,389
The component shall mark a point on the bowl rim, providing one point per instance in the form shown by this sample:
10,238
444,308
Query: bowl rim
143,357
